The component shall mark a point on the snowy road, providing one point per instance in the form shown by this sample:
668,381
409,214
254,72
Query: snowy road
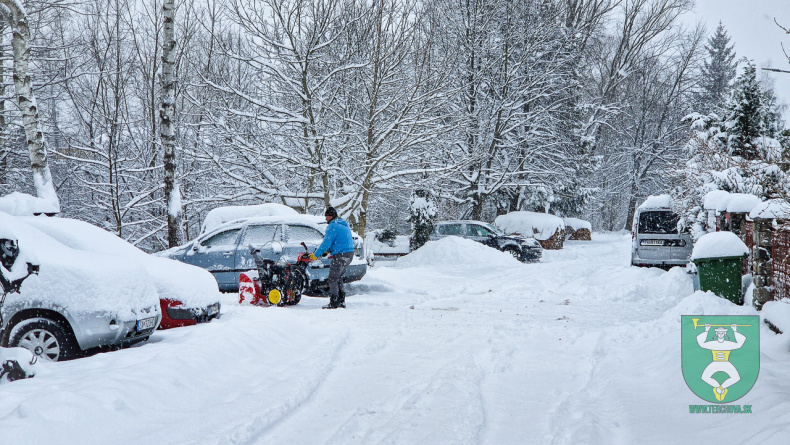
578,349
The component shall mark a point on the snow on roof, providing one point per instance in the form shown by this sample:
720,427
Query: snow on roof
457,251
577,224
192,285
656,202
221,215
716,199
82,282
718,245
400,245
771,209
742,203
22,204
540,225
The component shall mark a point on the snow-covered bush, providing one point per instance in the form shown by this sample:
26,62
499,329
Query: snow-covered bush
422,215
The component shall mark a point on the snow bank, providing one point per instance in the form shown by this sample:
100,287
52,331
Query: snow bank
192,285
717,245
577,224
221,215
656,202
456,251
778,313
21,204
772,209
742,203
82,282
542,226
716,199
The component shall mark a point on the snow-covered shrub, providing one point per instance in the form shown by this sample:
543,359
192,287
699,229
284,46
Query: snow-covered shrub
422,215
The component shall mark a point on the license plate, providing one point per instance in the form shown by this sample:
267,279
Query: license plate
146,323
213,309
653,242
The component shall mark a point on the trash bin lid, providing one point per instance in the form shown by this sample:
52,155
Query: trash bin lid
719,245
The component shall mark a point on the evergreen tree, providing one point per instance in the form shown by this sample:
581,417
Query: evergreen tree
718,71
422,214
751,114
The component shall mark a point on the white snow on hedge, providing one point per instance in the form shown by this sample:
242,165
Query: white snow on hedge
656,202
772,209
82,282
456,251
716,199
221,215
22,204
192,285
542,226
718,245
577,224
742,203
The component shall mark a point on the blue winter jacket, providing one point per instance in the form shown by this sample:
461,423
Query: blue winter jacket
337,238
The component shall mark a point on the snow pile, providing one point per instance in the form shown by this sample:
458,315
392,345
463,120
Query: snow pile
577,224
221,215
719,245
456,251
656,202
541,226
82,282
742,203
716,199
778,313
772,209
21,204
193,286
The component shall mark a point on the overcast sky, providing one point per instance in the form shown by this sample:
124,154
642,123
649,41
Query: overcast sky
750,24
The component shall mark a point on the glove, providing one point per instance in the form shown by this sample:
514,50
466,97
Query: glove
323,255
312,257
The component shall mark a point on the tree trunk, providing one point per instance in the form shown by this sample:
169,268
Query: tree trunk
42,178
167,131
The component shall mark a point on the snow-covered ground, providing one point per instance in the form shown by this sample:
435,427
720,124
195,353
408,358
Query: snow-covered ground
577,349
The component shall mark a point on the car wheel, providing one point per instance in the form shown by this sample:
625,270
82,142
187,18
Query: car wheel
513,251
44,338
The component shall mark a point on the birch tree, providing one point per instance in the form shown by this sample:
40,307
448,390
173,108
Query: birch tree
167,114
23,83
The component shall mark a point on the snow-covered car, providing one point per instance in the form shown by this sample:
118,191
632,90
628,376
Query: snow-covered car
656,240
224,250
78,301
188,295
522,248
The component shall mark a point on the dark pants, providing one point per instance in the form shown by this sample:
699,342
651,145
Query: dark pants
339,263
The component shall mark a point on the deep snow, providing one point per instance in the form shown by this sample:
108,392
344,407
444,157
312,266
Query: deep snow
578,349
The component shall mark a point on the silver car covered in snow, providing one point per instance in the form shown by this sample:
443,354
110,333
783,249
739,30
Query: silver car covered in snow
225,249
656,239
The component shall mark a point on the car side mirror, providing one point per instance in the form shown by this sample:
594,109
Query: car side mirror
195,247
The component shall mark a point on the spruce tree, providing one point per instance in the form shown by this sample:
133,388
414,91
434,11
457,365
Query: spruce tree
718,71
751,114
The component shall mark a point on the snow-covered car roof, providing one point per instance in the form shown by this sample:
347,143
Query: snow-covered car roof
542,226
317,222
222,215
22,204
656,202
192,285
79,281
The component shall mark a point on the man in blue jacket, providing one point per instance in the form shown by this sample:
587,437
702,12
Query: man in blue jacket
339,243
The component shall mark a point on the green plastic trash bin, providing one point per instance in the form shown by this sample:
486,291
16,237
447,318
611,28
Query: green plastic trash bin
722,276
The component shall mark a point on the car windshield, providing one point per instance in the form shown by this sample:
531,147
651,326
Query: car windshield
658,223
492,228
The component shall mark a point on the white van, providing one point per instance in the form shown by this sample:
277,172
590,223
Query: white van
656,241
